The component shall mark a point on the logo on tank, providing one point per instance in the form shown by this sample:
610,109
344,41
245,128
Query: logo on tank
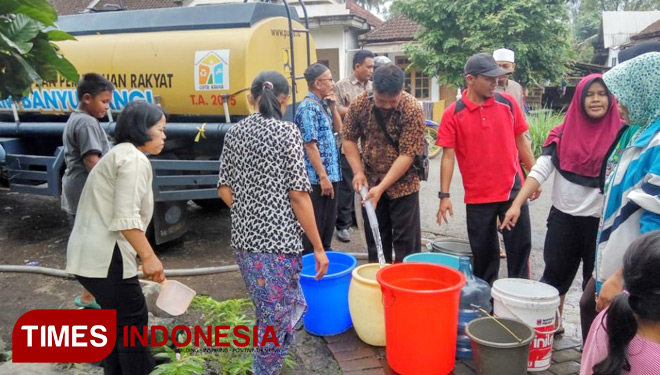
212,70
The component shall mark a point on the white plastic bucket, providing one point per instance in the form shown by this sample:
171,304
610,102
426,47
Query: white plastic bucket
534,303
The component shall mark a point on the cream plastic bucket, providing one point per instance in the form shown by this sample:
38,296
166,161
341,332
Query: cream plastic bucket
174,297
534,303
365,303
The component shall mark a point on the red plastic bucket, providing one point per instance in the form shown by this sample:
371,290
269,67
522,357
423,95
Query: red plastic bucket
421,316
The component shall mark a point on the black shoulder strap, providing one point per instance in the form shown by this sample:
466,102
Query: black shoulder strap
459,106
501,99
381,123
322,108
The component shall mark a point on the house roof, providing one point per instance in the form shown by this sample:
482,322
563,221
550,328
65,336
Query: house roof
356,9
397,29
339,13
64,7
619,27
651,31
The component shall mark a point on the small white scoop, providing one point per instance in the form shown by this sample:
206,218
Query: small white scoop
174,297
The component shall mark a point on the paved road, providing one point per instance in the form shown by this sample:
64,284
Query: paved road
456,228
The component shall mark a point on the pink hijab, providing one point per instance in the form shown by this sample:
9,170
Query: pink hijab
582,142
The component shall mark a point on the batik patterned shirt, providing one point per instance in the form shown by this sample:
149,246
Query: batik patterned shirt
315,123
405,124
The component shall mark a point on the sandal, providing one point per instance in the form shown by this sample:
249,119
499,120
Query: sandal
88,305
502,248
559,332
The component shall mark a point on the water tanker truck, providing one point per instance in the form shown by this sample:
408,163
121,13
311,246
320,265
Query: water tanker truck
197,63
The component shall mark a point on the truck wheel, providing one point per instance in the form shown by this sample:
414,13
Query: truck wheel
211,205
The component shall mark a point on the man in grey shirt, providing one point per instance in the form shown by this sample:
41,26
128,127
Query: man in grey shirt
505,58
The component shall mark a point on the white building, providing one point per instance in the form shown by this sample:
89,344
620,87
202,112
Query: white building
616,31
389,39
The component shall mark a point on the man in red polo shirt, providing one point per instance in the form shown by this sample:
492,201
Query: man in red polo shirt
485,130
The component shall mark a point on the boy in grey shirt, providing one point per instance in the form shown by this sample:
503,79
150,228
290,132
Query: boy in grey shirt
84,143
83,138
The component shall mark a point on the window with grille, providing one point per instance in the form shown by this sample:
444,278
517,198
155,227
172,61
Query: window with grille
416,83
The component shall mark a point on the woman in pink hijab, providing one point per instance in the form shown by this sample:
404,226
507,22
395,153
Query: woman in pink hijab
575,150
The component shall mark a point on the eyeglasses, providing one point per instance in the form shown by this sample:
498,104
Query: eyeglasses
326,79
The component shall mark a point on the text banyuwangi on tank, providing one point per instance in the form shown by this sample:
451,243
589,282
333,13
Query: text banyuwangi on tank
66,100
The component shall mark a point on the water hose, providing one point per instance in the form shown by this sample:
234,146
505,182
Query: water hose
168,272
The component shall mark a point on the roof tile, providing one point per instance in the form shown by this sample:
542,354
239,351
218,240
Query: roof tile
652,28
356,9
397,28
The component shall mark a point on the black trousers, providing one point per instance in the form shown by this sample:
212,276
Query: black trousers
570,239
588,311
482,233
345,196
399,226
325,212
125,296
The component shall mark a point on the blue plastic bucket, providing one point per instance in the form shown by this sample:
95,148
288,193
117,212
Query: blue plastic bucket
327,299
435,258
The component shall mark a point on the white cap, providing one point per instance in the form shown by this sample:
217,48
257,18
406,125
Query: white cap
381,60
504,54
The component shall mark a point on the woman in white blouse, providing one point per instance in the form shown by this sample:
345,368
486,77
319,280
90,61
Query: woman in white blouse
115,208
575,150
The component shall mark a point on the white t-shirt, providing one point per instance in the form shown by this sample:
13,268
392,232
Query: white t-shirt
568,197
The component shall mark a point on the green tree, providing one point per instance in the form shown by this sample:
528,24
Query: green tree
381,6
452,31
27,53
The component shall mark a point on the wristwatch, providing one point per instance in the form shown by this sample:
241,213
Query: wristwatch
443,195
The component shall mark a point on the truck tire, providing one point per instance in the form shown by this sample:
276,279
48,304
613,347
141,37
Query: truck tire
211,205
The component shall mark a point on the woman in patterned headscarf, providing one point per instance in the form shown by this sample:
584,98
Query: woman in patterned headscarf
632,189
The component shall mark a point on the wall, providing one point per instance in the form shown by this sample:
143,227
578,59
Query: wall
331,55
612,53
331,39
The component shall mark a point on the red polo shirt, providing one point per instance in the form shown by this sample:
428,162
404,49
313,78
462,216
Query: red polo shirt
484,139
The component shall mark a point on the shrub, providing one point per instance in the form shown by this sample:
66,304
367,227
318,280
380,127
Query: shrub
196,361
540,124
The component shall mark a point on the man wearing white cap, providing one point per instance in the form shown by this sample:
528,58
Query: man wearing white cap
505,58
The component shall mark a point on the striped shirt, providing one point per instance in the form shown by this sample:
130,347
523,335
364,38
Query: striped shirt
632,203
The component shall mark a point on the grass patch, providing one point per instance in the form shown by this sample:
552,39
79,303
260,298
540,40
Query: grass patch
540,123
204,360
